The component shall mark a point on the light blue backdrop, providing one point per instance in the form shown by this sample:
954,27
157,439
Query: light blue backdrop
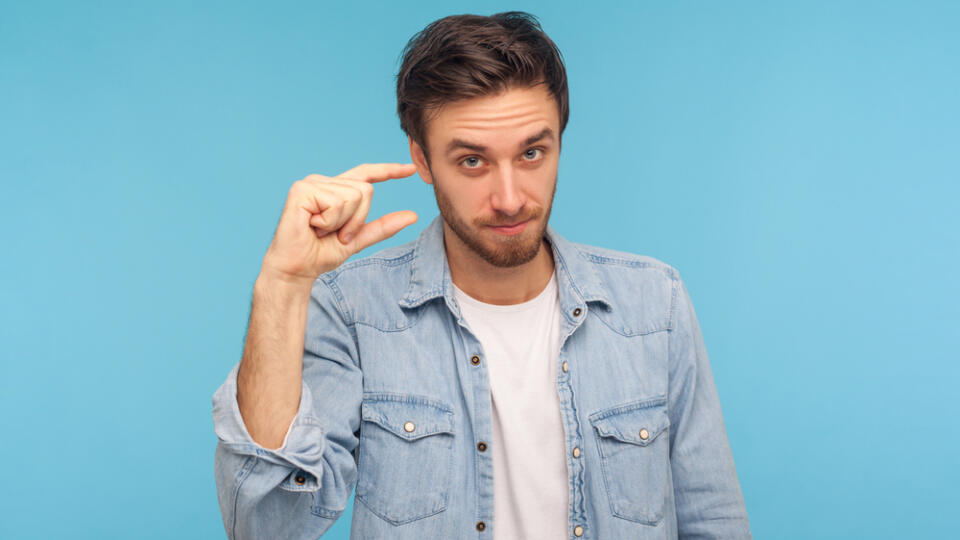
797,163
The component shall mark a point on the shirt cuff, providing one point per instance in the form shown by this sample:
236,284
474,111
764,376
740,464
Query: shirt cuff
302,446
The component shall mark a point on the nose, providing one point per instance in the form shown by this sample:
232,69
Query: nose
506,197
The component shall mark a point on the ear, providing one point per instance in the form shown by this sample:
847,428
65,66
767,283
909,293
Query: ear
420,160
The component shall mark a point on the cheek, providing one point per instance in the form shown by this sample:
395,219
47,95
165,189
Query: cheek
542,188
467,199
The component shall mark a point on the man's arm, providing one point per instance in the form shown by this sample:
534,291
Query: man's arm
707,493
299,488
288,413
269,376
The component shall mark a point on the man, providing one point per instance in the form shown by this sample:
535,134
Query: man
490,379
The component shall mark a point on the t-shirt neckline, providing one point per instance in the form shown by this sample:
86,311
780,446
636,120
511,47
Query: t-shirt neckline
542,296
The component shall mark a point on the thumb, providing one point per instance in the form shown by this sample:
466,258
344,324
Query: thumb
380,229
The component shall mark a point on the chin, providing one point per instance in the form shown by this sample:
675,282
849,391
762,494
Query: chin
507,251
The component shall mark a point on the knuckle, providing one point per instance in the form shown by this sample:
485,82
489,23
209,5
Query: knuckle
298,187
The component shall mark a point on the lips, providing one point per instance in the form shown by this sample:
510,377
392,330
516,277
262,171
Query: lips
510,229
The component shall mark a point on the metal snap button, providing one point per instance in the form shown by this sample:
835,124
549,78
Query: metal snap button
576,452
481,525
475,360
482,446
576,313
300,480
578,531
564,366
644,434
409,427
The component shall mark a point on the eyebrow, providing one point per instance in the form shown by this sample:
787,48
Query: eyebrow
455,144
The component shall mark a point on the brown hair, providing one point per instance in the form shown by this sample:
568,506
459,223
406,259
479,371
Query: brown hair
465,56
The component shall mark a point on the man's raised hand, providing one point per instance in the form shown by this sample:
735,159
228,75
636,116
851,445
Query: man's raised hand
305,246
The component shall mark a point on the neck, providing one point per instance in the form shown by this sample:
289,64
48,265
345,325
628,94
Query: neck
492,284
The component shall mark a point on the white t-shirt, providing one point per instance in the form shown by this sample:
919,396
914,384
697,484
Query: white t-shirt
521,343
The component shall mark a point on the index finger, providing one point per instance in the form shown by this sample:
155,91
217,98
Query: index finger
378,172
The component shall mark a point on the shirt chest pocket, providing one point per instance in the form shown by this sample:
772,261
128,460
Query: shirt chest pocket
634,447
405,456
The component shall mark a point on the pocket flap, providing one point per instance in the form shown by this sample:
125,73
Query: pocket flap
407,416
638,423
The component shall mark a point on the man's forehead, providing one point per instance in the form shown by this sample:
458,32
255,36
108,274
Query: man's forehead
480,143
513,117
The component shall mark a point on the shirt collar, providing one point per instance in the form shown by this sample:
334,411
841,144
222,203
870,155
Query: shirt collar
430,271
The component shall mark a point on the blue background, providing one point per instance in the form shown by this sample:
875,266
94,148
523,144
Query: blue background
797,163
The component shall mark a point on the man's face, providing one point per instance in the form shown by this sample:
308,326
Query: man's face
493,166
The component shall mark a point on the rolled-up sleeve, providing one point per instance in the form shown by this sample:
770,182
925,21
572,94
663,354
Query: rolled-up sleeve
706,490
301,488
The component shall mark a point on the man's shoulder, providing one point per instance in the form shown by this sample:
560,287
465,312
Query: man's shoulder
625,263
640,291
385,266
368,289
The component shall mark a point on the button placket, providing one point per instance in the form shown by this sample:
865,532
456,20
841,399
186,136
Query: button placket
576,316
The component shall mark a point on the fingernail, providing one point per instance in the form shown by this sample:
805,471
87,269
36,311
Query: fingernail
347,238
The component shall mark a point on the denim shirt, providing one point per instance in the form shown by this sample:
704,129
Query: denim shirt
396,403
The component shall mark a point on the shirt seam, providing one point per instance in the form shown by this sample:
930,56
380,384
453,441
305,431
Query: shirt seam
339,300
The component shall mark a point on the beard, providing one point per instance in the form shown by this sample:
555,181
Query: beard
507,250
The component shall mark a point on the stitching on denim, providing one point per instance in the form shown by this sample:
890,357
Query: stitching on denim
578,428
325,512
640,261
432,293
244,474
374,259
345,314
398,521
377,418
605,472
623,330
443,424
417,253
568,279
629,406
290,485
669,271
411,320
338,298
557,242
674,292
417,399
603,259
578,501
393,397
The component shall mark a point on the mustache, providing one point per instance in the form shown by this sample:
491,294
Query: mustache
533,214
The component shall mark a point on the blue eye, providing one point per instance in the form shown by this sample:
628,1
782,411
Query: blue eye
476,159
527,153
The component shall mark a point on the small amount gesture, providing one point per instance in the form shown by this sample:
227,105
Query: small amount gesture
324,222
